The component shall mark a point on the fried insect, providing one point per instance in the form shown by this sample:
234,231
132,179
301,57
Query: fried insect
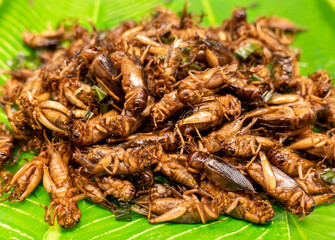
287,192
206,83
168,140
57,181
285,117
6,145
120,188
219,171
189,209
90,189
209,113
246,145
289,162
47,39
50,114
238,204
134,85
168,105
318,181
119,161
27,178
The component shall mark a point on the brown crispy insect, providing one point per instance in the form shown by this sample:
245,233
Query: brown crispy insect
250,207
287,192
204,83
168,140
90,189
186,210
48,38
210,113
134,85
246,145
27,178
168,105
113,185
57,181
6,145
219,171
289,162
290,117
314,184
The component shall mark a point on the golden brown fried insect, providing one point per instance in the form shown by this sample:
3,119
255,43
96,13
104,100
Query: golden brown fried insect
285,117
317,144
50,114
198,84
210,113
121,189
134,85
287,192
168,140
122,162
186,210
250,207
246,145
317,181
168,105
90,189
57,182
27,178
48,38
6,145
289,162
219,171
215,140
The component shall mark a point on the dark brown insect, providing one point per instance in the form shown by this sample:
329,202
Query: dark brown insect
134,85
6,145
286,191
219,171
250,207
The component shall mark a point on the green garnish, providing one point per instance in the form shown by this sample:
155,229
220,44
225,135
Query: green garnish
255,77
79,90
267,96
244,51
328,177
100,93
88,115
186,50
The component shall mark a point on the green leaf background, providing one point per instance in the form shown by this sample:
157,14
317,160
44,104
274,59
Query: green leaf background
25,220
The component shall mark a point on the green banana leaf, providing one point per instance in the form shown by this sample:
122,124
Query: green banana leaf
25,220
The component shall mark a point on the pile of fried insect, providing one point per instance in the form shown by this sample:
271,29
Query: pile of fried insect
220,115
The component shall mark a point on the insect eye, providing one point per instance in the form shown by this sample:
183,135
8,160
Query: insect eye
231,151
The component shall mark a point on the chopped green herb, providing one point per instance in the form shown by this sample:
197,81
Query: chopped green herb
184,59
186,50
267,96
244,51
195,66
255,77
88,115
79,90
161,179
270,67
100,93
328,177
